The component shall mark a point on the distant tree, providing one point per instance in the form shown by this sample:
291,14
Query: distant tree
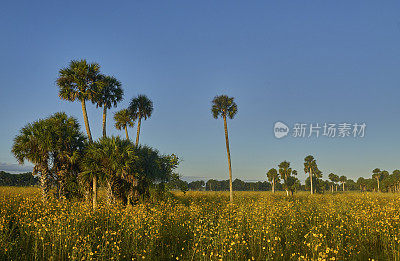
343,180
18,180
361,182
310,167
225,106
111,93
377,174
140,107
176,182
285,173
123,119
334,178
196,185
273,177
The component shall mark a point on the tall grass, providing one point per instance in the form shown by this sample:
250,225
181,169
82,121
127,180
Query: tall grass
202,226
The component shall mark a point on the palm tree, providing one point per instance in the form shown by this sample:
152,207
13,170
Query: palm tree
225,106
111,93
107,159
332,177
140,107
310,167
81,81
123,119
67,144
273,176
286,172
343,180
33,145
377,174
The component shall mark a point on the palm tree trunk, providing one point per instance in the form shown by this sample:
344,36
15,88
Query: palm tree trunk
126,132
85,118
229,160
44,184
343,186
378,185
104,120
138,130
273,185
94,192
312,189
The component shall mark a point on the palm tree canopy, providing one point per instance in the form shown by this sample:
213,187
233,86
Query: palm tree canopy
310,164
111,92
32,144
272,174
108,157
79,81
123,118
343,179
223,105
141,106
56,140
284,170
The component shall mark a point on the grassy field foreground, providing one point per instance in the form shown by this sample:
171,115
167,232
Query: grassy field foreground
202,226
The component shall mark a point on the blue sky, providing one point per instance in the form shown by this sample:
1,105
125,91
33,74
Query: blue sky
289,61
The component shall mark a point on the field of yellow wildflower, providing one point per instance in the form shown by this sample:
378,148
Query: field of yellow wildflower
202,226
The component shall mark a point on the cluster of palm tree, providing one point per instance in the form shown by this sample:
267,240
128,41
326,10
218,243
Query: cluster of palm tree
381,181
287,175
76,164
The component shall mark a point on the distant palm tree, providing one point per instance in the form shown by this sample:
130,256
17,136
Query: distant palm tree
333,178
285,171
141,107
310,167
343,180
377,174
123,119
81,81
111,93
225,106
273,177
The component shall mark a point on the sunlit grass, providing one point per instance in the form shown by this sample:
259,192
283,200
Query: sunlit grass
203,226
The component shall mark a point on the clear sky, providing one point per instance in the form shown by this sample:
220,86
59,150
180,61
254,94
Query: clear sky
289,61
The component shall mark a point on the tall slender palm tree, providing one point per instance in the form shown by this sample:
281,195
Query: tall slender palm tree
123,119
111,93
141,107
225,106
81,81
310,167
273,177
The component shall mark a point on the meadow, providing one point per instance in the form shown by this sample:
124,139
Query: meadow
202,226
